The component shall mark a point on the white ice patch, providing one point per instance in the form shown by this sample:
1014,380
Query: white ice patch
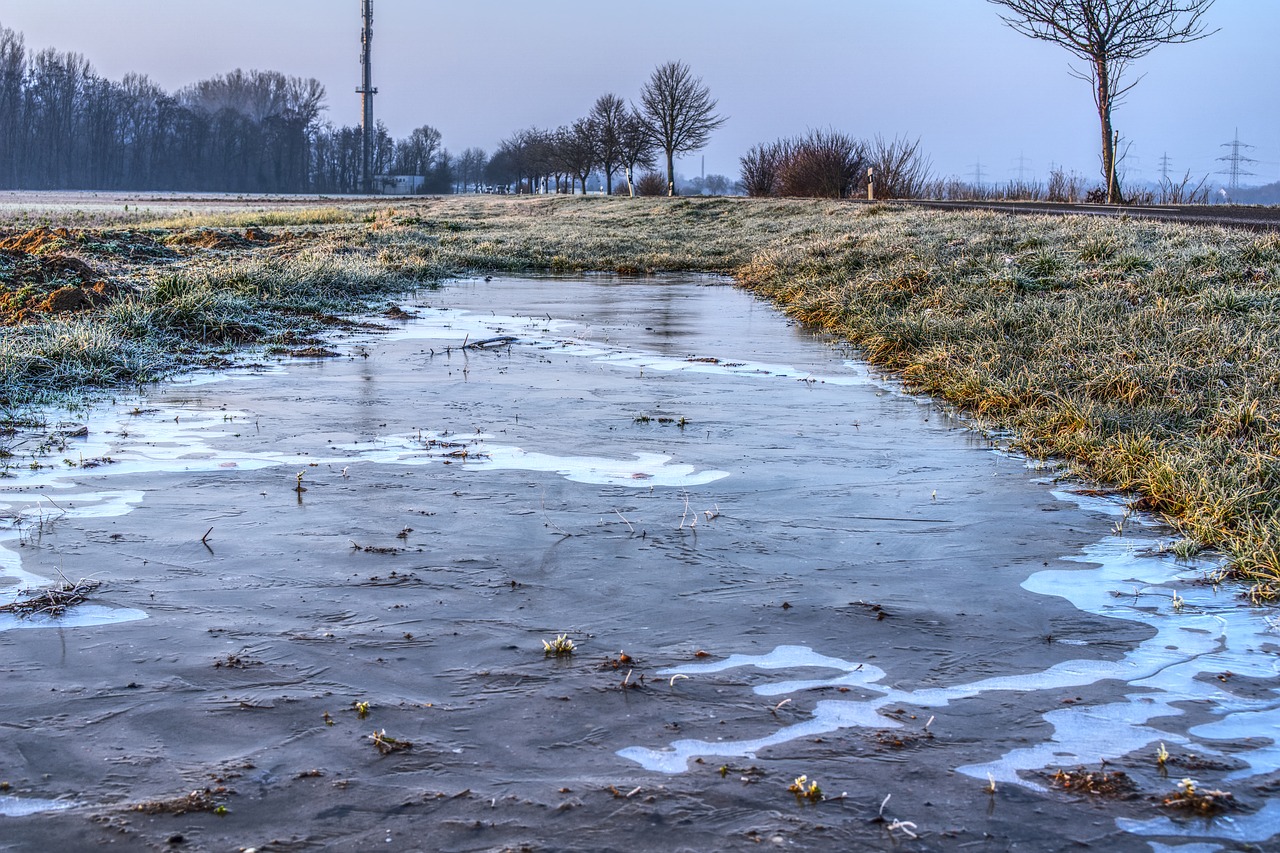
641,471
1254,828
1200,634
455,327
80,616
11,806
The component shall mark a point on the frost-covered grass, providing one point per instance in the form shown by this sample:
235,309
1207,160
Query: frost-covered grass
1146,355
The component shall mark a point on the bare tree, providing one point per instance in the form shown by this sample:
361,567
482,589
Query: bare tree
610,115
1108,35
679,113
579,150
635,148
471,168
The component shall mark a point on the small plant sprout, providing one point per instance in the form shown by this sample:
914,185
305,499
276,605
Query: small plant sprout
906,827
805,790
299,487
712,513
1178,601
1162,755
991,784
561,646
386,744
344,471
672,681
362,709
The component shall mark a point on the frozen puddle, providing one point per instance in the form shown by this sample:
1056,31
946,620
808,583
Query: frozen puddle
833,485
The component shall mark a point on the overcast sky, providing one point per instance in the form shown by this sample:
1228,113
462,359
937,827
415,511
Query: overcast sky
946,71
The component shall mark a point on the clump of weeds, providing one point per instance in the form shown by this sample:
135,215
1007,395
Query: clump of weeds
806,789
386,744
1189,796
561,646
1102,783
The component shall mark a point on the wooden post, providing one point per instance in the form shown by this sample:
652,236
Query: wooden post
871,184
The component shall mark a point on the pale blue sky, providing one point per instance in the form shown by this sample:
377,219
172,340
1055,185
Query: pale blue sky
945,70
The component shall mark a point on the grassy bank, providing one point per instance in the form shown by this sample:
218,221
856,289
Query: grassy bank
1145,354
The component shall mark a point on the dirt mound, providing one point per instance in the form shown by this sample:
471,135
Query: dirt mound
63,267
49,284
66,299
38,240
132,245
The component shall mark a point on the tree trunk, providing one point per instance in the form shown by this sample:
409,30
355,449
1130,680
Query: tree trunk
608,182
671,172
631,187
1101,72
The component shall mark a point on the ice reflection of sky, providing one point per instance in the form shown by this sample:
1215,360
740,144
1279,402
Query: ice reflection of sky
1200,635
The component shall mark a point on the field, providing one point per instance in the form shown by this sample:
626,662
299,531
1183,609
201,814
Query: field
1145,355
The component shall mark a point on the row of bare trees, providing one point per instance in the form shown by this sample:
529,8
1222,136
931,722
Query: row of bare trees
676,115
62,126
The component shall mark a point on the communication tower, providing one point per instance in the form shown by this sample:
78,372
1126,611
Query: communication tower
366,93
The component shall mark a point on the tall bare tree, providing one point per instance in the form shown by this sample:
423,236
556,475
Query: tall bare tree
679,113
610,115
1108,35
579,149
635,148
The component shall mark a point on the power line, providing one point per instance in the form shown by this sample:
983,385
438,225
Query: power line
1022,162
978,174
1235,160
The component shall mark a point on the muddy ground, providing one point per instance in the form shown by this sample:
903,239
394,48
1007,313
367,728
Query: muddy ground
668,474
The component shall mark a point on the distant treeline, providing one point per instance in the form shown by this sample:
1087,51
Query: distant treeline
64,127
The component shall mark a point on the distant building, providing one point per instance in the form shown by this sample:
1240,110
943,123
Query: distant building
399,184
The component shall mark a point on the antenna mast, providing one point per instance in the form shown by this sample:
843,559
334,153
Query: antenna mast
366,92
